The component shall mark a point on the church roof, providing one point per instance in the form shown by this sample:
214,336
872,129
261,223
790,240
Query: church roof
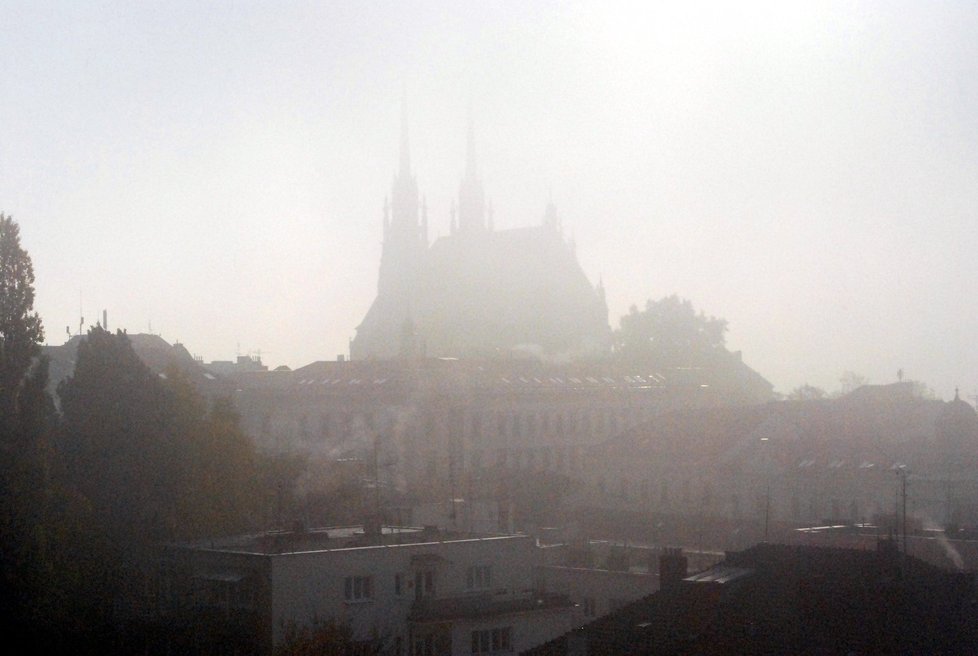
495,292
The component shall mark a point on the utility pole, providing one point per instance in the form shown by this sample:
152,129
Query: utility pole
903,479
767,509
767,484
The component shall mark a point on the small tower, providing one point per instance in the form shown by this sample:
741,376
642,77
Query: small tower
405,238
471,197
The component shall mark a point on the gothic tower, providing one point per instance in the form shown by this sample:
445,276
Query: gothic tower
402,258
471,198
405,236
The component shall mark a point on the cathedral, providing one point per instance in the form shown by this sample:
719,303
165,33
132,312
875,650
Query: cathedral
478,292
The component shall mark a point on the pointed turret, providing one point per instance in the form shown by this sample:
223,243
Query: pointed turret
404,234
471,171
405,169
550,218
471,198
424,220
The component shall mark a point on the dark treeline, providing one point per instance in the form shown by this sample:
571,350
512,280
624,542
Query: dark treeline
132,460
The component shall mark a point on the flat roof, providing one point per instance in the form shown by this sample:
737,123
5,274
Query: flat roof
335,538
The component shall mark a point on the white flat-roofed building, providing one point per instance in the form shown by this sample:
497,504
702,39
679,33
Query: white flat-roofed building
401,590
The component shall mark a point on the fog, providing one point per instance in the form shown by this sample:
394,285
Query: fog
217,174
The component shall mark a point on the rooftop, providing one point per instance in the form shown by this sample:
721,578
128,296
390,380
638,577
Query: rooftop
335,538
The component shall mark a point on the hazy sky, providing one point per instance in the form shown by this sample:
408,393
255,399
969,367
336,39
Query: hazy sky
217,171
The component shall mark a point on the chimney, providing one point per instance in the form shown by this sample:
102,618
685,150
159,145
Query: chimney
105,319
673,567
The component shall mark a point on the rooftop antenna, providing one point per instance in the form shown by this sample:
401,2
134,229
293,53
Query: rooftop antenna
81,317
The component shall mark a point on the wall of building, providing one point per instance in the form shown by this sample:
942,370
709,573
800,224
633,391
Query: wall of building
597,591
313,585
526,630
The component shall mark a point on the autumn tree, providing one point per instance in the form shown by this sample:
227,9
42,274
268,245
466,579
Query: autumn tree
850,381
669,332
807,392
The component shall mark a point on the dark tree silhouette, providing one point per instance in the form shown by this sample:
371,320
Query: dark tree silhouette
807,392
26,415
152,464
21,332
669,332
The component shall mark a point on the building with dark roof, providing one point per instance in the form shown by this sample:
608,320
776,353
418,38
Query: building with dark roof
155,352
780,599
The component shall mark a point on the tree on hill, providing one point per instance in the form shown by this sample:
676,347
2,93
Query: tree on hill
669,332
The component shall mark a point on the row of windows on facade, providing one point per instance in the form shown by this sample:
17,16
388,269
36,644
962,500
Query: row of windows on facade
507,424
836,508
497,640
361,588
562,459
490,641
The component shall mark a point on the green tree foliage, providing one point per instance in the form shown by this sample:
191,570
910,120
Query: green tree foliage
117,442
26,413
669,332
149,462
153,459
21,332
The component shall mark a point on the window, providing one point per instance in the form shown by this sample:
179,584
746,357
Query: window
358,588
424,645
479,577
489,641
424,583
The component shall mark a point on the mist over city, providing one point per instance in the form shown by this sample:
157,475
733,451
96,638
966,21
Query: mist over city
484,328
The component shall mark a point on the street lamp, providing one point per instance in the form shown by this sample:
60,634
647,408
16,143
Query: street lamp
767,487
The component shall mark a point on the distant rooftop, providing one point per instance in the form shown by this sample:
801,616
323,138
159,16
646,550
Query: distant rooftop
337,537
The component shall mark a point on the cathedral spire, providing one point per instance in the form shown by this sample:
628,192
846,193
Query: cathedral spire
405,170
471,198
471,171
